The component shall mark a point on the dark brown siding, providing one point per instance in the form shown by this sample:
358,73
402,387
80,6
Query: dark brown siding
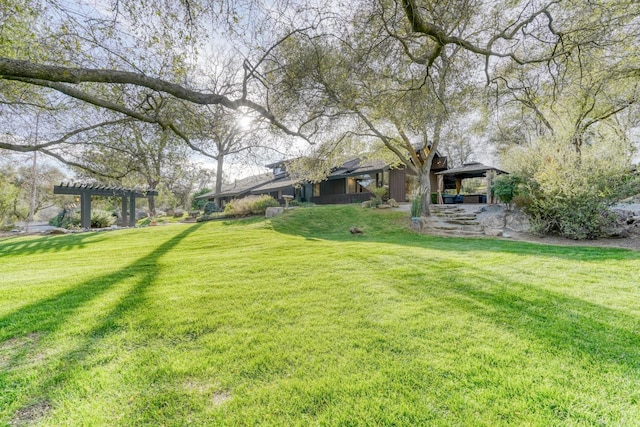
397,178
342,198
333,186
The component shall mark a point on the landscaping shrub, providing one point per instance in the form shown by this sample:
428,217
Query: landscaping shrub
102,219
568,191
211,207
67,218
506,188
251,205
416,206
71,219
379,193
199,203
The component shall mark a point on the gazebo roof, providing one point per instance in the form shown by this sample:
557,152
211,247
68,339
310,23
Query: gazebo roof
469,170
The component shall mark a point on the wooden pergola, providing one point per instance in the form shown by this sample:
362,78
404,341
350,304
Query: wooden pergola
85,191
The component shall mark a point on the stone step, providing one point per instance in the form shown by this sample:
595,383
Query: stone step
453,227
449,214
454,232
464,217
462,221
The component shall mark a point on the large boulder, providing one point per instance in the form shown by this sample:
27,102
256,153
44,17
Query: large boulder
627,220
517,221
494,221
140,214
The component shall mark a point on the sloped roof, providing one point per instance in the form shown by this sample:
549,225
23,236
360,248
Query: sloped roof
276,184
356,166
240,186
470,170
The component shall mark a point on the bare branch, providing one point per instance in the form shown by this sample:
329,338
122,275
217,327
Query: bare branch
40,147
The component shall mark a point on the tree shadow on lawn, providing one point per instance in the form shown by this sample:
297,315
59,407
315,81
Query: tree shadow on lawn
578,329
402,235
27,246
25,328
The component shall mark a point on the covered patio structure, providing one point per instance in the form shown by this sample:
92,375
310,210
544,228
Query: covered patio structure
452,178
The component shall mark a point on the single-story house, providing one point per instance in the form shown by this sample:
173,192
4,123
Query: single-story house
350,182
238,189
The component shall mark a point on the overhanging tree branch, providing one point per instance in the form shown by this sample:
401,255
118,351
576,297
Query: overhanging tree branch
55,77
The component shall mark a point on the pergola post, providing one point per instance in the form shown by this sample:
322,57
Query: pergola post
124,222
85,210
132,209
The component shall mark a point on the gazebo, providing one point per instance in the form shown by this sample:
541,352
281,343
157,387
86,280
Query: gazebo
452,178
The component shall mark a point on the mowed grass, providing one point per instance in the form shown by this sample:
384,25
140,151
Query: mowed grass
294,321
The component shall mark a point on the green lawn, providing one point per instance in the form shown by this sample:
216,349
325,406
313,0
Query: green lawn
293,321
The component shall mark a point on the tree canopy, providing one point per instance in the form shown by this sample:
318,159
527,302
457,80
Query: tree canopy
398,73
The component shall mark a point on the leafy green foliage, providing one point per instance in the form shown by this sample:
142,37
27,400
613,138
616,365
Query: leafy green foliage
506,187
211,207
416,206
199,204
568,192
102,219
378,195
17,187
70,218
8,194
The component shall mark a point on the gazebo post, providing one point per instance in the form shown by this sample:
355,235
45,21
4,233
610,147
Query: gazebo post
489,177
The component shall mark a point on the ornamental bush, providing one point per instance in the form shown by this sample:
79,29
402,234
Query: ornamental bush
416,206
251,205
567,191
102,219
211,207
67,218
506,188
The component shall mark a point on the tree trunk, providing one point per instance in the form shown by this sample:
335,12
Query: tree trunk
219,166
425,189
151,199
152,205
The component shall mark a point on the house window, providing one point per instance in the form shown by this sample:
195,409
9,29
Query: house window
316,190
364,183
351,185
